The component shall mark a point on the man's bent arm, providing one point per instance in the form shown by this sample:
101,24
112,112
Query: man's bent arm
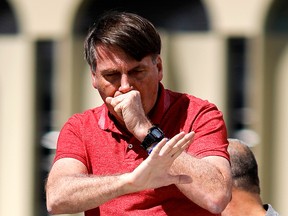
211,180
70,189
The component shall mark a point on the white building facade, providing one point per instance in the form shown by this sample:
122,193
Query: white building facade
232,53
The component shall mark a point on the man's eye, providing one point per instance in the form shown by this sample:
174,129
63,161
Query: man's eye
135,72
111,77
139,74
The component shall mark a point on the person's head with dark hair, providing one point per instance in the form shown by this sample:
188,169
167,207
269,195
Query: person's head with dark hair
244,166
133,34
246,198
123,52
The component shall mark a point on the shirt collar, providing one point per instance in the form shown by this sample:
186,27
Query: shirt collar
162,104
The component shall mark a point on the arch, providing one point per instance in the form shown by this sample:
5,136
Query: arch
277,17
185,15
8,22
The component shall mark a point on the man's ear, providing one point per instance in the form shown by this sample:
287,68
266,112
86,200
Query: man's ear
159,67
94,79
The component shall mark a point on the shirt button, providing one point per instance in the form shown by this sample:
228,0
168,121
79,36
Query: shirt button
130,146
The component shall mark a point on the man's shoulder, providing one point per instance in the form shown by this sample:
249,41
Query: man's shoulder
193,100
86,115
183,95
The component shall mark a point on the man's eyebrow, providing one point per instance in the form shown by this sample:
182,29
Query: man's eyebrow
109,71
114,70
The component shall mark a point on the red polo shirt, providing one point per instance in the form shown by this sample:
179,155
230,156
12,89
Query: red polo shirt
105,148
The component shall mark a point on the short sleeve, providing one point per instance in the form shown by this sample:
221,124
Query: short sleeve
70,144
210,133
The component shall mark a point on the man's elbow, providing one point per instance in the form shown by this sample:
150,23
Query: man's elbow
53,205
50,209
57,204
217,204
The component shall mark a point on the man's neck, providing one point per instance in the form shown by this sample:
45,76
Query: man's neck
244,203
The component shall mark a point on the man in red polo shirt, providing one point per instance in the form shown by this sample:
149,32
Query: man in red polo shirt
147,150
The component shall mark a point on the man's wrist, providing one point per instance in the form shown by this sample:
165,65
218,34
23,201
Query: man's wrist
154,135
141,129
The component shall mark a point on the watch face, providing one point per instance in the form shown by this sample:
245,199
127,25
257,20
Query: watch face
157,133
154,135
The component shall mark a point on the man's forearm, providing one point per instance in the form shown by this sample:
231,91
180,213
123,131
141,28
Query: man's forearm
73,194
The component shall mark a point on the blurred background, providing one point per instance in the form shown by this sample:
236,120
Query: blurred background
233,53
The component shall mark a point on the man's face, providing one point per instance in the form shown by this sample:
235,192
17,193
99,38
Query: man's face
116,74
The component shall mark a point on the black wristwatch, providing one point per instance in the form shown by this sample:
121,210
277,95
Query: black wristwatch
155,135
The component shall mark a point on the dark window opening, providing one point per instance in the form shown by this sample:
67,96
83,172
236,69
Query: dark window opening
186,15
8,23
236,57
277,18
43,81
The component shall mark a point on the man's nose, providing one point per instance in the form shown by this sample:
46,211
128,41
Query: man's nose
125,85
